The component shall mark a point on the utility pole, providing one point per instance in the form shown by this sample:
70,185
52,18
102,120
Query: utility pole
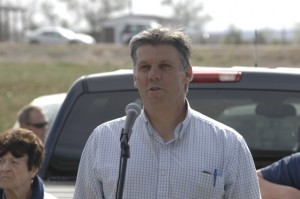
1,29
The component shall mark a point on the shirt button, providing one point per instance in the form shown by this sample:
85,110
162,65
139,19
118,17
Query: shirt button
163,173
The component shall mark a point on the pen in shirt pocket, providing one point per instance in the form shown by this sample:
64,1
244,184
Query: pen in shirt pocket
214,175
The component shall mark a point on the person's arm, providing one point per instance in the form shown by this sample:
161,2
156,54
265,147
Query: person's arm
271,190
87,185
241,180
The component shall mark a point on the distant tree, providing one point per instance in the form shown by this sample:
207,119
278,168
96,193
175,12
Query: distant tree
50,16
188,14
94,12
42,13
233,36
264,36
30,23
296,30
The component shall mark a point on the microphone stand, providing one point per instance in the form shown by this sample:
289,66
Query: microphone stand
125,154
132,111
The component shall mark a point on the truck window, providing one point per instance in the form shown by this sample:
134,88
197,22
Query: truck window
268,120
90,110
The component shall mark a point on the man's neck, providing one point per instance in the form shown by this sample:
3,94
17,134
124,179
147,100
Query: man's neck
165,120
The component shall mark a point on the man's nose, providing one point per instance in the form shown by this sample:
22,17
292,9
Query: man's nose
154,73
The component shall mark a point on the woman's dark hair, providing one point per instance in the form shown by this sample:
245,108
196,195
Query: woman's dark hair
20,142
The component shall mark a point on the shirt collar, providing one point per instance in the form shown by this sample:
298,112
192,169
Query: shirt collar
37,188
180,128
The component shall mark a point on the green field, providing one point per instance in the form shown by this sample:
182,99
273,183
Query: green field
27,71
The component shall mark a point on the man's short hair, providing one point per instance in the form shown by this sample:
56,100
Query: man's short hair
24,114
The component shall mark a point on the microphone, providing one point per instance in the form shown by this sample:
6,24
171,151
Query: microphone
132,111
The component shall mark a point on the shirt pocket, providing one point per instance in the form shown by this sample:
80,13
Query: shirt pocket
200,184
213,184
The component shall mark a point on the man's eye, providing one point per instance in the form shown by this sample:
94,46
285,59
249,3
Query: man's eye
143,67
164,66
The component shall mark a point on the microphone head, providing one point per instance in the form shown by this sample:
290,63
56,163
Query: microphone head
135,107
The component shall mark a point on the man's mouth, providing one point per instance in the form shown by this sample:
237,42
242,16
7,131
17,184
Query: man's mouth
154,88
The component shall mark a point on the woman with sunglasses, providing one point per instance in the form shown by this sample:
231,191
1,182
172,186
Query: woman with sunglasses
21,156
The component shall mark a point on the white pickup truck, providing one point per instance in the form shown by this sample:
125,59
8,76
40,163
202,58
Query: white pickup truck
260,103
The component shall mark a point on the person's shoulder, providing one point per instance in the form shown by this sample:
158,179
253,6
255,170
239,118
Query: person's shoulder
49,196
112,123
108,128
213,123
285,162
295,157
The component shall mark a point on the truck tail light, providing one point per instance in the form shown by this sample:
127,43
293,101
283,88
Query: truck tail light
216,76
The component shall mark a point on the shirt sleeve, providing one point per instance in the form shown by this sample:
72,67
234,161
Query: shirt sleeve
285,171
243,181
87,184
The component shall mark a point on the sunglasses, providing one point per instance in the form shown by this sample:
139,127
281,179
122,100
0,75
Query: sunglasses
39,125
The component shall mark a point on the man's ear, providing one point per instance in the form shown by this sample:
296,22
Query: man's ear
189,73
134,81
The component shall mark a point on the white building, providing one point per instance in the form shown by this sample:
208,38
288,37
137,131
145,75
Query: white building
120,30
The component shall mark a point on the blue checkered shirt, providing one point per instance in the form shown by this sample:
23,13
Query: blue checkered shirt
206,159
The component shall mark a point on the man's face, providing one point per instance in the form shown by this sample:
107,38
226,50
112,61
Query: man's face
37,124
159,75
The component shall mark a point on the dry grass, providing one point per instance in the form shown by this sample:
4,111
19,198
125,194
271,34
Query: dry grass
30,71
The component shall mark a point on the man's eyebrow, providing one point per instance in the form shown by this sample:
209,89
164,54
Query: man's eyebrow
142,62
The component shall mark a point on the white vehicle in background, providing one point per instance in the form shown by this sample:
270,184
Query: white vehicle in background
49,104
120,30
57,35
133,27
